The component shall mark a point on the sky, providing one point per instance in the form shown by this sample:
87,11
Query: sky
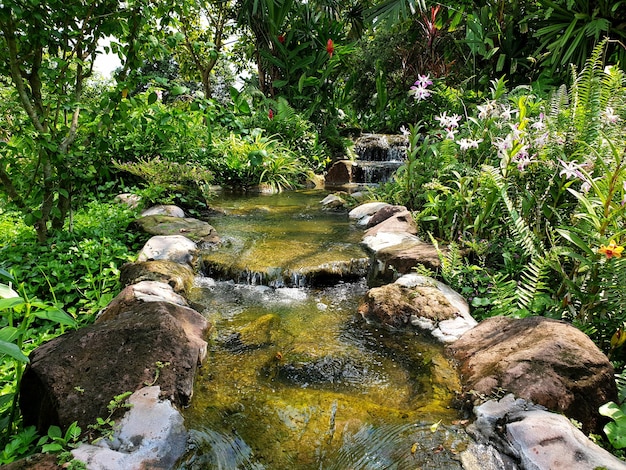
106,63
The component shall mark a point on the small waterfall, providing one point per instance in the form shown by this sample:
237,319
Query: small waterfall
378,157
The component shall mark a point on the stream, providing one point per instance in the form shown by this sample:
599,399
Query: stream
295,378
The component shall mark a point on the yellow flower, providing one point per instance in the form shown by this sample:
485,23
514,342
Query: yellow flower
612,250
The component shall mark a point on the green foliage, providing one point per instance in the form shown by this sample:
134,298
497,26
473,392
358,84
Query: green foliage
47,55
615,430
242,162
544,183
293,131
569,30
21,445
163,179
500,41
104,428
20,316
79,267
55,441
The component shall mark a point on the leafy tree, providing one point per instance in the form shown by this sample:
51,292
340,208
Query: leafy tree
47,55
204,27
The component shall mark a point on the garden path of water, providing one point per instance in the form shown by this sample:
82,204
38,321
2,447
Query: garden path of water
295,378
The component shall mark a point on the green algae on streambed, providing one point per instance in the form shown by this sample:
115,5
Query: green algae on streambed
284,238
296,379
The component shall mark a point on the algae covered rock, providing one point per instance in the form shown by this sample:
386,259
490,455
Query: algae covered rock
179,276
194,229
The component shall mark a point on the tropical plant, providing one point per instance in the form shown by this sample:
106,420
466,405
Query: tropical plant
48,51
243,162
569,30
205,25
500,41
19,317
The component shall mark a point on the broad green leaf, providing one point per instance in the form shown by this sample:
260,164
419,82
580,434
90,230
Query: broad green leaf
54,432
13,351
152,98
8,334
11,302
56,315
576,240
178,90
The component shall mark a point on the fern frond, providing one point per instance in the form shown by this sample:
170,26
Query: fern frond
532,280
614,286
524,236
558,101
586,95
503,296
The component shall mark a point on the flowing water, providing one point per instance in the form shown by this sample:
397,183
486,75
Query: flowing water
295,378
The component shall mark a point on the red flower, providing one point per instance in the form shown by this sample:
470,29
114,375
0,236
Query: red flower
330,47
281,38
270,114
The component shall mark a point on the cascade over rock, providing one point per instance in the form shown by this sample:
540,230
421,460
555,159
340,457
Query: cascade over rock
546,361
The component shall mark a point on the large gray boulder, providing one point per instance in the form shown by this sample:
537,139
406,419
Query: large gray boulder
548,362
514,434
194,229
74,376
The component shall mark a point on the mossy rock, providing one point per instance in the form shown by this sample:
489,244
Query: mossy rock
178,276
194,229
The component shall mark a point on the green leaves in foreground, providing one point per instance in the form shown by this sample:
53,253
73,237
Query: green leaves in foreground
616,429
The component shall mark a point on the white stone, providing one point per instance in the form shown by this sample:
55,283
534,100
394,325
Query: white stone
150,435
423,323
155,291
536,438
369,208
384,240
547,440
171,210
175,248
446,331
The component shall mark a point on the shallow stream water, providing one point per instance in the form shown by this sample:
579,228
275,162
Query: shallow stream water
295,378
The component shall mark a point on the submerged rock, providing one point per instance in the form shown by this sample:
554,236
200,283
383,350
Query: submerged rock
259,332
548,362
327,370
